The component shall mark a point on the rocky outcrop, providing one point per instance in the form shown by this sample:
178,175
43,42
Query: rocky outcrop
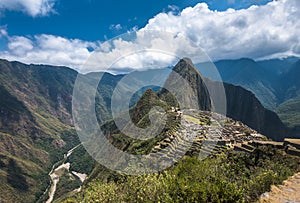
241,104
194,95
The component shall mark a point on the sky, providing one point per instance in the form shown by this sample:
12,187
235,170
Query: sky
66,32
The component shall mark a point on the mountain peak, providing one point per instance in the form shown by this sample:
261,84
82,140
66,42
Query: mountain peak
187,60
185,65
197,93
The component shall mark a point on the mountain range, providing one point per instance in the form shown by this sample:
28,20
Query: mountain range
274,82
36,124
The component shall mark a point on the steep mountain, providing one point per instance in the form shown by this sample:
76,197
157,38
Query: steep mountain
242,105
290,83
36,124
176,183
196,94
248,74
274,82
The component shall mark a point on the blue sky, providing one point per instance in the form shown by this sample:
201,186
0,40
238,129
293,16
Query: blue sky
65,32
97,20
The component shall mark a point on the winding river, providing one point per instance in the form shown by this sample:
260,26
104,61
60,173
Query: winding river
55,175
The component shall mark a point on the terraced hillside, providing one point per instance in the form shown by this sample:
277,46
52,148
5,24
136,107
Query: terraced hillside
205,134
36,126
209,171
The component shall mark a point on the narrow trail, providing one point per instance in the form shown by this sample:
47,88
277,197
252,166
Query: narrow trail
289,191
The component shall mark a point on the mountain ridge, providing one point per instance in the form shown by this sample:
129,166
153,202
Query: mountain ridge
36,120
241,104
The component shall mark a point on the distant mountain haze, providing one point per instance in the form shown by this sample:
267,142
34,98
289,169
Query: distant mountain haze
36,125
241,104
274,82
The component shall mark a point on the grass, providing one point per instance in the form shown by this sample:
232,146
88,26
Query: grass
289,113
230,177
193,120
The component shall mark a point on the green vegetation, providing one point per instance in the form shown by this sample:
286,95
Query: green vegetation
230,177
289,113
81,161
192,119
140,117
20,176
36,130
35,127
67,183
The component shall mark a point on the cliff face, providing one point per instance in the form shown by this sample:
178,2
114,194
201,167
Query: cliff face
241,104
36,119
192,94
274,82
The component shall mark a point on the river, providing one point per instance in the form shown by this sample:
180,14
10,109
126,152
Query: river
55,175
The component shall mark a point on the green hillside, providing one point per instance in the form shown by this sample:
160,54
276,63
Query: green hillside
36,127
289,113
229,177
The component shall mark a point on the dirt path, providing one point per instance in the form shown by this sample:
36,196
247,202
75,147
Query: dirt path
289,191
52,190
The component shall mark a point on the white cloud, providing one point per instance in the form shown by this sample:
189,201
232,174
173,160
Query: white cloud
30,7
115,27
256,32
3,32
48,49
20,45
268,31
145,50
271,30
173,8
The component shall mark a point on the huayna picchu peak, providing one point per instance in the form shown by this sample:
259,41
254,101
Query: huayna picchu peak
241,104
37,127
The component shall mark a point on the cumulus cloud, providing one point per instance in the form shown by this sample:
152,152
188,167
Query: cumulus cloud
145,49
257,32
268,31
3,32
48,49
30,7
131,51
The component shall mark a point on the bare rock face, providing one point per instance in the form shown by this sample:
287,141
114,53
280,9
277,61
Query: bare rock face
198,89
242,104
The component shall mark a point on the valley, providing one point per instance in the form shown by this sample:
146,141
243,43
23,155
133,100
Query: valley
274,82
150,101
39,101
58,171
